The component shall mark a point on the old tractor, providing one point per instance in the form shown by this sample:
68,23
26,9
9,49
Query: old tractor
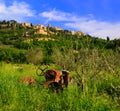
55,80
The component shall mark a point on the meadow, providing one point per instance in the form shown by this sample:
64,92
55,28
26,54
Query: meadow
101,94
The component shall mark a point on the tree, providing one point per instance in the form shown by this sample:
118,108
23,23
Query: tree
108,39
35,56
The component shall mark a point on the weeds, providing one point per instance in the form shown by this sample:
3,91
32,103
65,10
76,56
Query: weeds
101,87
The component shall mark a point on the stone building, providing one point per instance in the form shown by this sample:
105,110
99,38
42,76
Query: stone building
72,32
58,28
41,29
26,24
79,33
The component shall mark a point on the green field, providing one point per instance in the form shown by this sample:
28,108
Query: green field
101,94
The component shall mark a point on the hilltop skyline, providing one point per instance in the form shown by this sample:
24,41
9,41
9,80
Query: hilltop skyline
98,18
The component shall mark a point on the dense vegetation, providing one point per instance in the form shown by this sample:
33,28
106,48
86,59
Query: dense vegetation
93,60
15,44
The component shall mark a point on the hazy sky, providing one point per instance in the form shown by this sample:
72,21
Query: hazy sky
100,18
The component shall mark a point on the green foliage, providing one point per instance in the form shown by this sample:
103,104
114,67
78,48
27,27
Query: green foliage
64,59
12,55
16,96
35,56
23,45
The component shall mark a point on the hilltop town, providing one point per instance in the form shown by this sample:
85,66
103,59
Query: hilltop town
41,29
37,28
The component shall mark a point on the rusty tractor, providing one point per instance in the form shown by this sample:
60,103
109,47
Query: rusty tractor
55,80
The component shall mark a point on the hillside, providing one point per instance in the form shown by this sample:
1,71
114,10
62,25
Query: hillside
17,40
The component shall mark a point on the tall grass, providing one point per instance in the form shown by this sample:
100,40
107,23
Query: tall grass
15,96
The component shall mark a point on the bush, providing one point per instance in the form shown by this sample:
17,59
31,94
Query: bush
13,55
35,56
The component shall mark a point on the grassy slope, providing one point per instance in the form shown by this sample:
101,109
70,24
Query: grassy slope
19,97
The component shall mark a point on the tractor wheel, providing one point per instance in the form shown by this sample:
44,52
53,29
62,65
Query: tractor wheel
55,87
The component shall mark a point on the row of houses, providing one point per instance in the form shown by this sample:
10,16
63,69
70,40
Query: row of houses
41,29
